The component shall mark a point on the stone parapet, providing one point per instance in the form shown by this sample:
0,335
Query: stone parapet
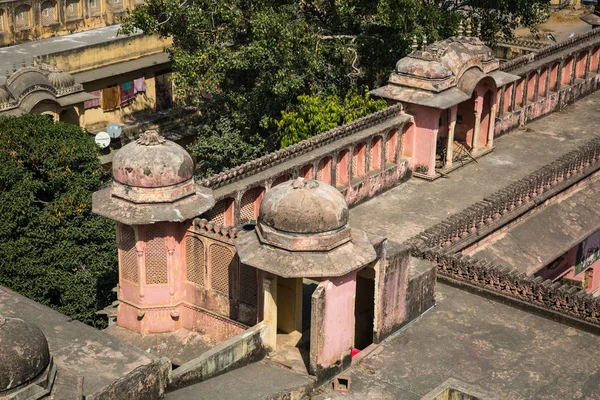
503,206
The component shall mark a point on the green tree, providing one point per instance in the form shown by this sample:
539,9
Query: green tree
316,114
500,17
53,250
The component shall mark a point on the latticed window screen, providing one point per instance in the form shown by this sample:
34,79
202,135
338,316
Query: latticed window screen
22,16
73,9
249,206
95,6
358,160
217,214
48,12
248,284
156,256
324,170
129,264
194,257
221,259
280,179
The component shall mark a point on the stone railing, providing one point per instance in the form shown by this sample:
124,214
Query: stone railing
361,159
505,205
524,42
441,243
549,297
273,159
550,78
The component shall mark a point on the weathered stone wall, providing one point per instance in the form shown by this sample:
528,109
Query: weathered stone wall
144,383
243,349
555,76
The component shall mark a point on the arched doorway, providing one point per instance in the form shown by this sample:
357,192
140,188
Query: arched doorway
69,116
465,122
486,115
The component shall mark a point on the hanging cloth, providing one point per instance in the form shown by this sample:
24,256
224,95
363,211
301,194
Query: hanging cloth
127,93
111,98
139,85
94,102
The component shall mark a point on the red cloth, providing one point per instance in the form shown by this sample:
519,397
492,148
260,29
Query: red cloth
127,93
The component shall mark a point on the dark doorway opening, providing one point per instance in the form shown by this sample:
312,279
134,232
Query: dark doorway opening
364,308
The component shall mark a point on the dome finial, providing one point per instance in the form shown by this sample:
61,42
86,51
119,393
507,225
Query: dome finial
415,44
461,28
150,138
469,28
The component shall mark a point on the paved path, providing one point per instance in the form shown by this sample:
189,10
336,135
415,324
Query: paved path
491,347
409,208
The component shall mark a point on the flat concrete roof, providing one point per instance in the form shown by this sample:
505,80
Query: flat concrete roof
497,349
15,54
96,356
543,236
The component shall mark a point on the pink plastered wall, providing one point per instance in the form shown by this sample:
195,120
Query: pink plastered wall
338,325
427,125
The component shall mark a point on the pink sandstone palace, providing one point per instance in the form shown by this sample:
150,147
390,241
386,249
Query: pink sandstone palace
263,256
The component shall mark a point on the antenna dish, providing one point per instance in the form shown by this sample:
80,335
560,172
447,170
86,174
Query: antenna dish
114,130
102,139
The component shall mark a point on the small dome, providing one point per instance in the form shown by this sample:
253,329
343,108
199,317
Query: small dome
304,206
24,353
303,215
152,162
60,79
430,69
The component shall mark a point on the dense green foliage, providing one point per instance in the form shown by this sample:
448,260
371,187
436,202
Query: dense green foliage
317,114
52,249
247,61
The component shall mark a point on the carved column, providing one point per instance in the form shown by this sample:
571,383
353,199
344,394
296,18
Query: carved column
492,125
451,126
476,130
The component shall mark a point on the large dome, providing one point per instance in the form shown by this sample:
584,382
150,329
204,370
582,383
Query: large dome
152,162
24,353
304,214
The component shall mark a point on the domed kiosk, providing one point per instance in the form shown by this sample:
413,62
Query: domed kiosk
451,88
153,197
26,369
302,240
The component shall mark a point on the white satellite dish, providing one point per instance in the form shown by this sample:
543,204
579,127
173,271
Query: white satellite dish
114,130
102,139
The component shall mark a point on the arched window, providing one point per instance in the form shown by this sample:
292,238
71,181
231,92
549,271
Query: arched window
341,170
280,179
358,160
324,170
250,204
117,4
194,260
73,9
595,60
95,7
156,256
375,154
307,171
48,12
221,264
2,21
22,16
531,86
221,213
128,253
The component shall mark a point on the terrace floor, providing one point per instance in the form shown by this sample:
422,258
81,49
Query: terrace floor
406,210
